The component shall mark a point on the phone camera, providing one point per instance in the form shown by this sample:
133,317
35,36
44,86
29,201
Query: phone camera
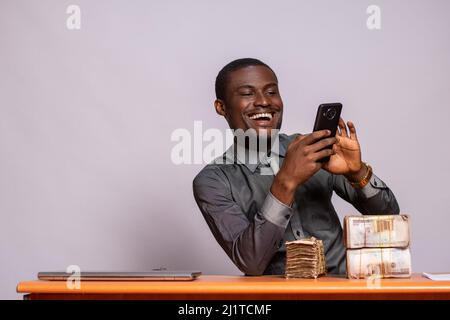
330,113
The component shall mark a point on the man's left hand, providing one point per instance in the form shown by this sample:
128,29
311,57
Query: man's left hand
347,157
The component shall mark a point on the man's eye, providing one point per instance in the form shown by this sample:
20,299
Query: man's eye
272,92
246,93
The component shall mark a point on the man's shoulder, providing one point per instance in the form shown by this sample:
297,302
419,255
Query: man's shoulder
210,173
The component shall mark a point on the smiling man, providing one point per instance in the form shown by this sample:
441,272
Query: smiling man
252,214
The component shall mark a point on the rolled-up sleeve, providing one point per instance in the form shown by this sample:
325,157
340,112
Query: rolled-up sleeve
249,244
375,198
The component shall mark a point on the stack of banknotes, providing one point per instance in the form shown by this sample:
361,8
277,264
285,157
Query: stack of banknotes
377,246
305,258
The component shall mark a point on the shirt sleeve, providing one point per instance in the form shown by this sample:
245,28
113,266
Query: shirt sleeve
374,198
249,244
276,212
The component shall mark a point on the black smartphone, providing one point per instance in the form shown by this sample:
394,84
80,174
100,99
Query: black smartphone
327,117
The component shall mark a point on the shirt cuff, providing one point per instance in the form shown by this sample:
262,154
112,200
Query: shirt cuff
276,212
372,188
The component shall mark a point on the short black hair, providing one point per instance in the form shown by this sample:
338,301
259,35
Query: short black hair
222,76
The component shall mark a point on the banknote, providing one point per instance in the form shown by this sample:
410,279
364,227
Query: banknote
383,262
376,231
305,258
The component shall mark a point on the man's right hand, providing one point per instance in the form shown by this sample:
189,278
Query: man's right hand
301,163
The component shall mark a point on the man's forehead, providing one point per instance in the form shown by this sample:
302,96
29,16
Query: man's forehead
252,76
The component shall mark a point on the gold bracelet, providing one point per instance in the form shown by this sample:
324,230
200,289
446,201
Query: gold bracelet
365,180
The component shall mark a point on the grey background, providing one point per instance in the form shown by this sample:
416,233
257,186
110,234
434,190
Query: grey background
86,118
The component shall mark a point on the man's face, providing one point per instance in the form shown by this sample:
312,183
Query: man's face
252,100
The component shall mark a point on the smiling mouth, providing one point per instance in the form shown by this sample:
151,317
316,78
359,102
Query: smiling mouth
261,116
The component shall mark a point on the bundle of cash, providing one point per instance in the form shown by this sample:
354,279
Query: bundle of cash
380,262
383,231
377,246
305,258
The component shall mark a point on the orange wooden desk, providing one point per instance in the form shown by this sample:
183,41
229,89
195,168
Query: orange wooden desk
241,287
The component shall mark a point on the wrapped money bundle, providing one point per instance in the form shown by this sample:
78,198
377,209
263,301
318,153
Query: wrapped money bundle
377,245
382,262
305,258
385,231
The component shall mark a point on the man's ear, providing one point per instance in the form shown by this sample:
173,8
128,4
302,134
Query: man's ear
220,107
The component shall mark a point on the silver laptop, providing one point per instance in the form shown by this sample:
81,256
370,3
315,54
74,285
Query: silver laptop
154,275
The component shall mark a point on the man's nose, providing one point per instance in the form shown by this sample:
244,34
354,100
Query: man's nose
261,99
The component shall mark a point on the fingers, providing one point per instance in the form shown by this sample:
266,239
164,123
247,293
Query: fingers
321,144
342,128
352,128
344,132
322,154
300,137
315,136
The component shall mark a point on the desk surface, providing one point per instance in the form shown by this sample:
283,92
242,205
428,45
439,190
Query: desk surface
242,287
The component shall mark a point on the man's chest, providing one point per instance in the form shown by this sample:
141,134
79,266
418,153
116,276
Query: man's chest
249,190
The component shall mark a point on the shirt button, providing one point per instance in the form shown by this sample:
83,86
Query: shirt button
286,216
298,233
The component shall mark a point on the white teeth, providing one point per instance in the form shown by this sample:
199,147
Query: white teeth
261,115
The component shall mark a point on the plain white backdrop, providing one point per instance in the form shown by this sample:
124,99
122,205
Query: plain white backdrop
86,118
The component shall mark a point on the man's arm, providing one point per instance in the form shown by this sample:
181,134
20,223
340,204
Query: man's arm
375,198
250,244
